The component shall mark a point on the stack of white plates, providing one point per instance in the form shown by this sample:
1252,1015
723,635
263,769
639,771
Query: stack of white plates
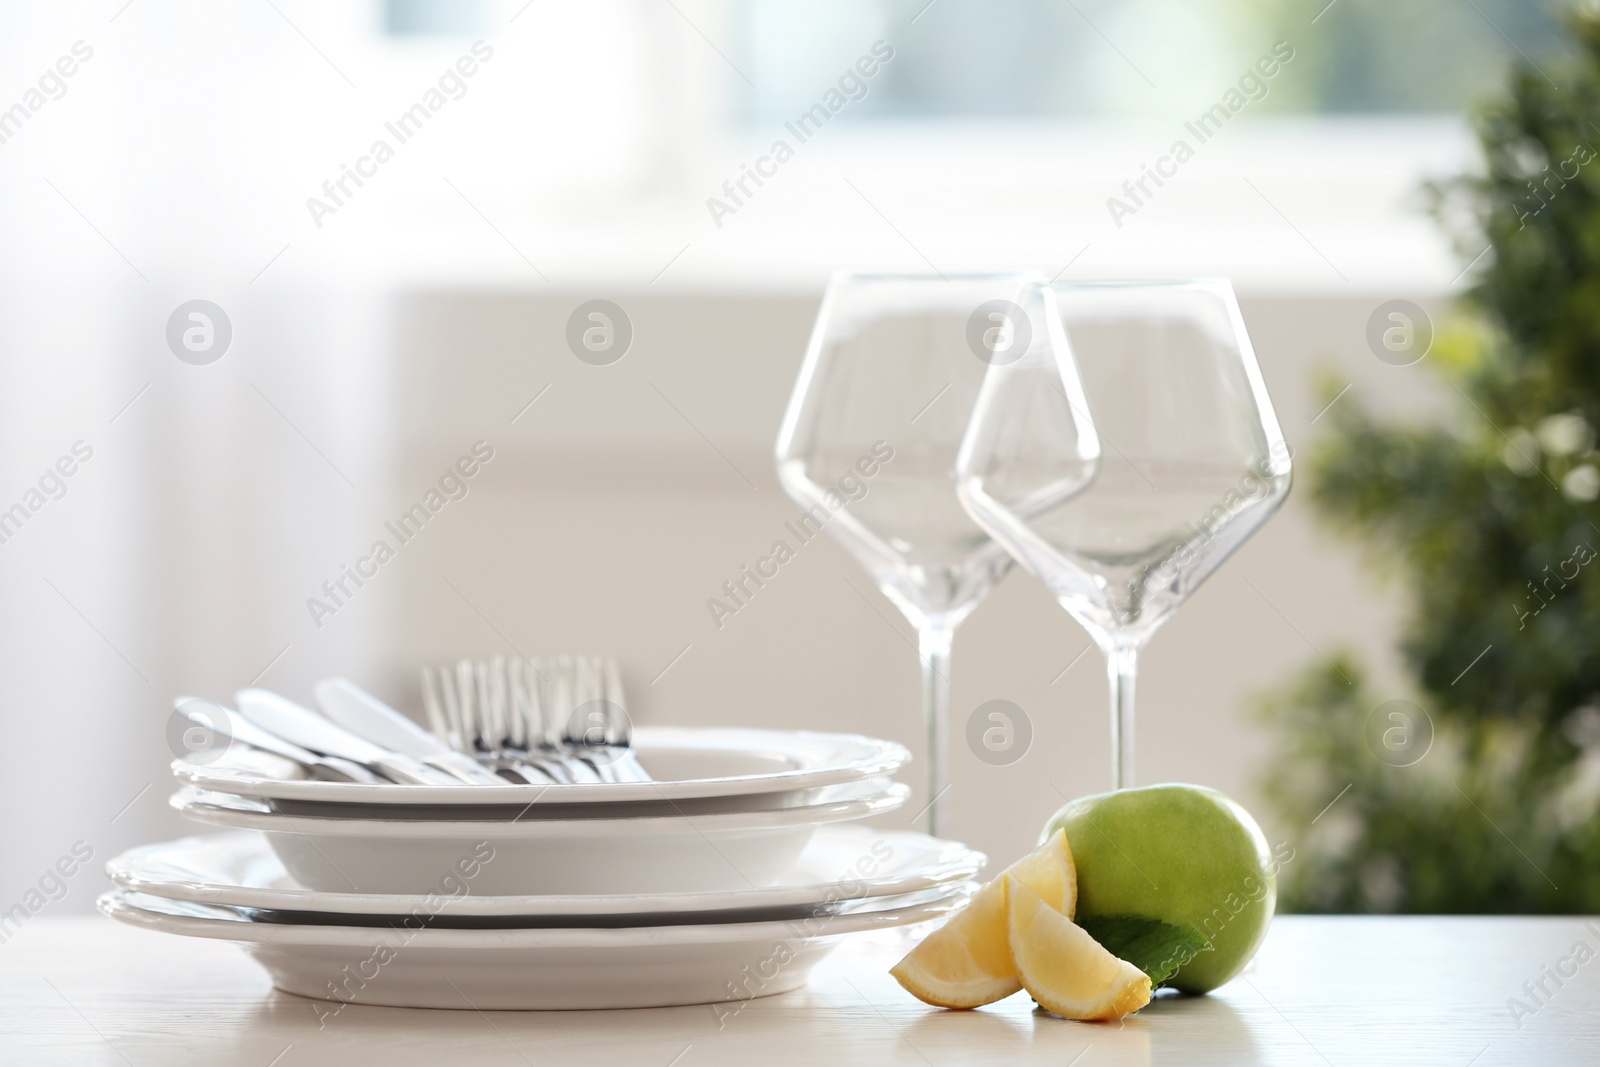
726,877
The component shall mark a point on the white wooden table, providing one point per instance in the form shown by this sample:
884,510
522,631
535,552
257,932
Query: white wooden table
1323,991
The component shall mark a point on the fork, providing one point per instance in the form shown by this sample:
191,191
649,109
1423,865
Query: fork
466,708
519,717
597,723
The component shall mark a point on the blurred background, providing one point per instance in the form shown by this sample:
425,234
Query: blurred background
382,328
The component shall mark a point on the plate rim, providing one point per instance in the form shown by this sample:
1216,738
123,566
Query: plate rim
115,903
881,757
944,863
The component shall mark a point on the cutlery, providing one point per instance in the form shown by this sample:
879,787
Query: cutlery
304,727
521,712
456,703
363,714
604,738
215,717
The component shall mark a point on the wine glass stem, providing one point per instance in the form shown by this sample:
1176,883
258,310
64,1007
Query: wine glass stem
933,644
1122,664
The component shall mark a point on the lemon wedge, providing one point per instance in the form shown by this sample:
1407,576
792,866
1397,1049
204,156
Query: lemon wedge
968,961
1065,969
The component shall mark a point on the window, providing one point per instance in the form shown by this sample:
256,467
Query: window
966,59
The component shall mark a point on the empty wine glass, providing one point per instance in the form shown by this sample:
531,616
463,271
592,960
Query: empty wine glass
869,441
1193,462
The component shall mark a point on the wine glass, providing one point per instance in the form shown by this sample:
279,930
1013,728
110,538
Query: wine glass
869,441
1193,463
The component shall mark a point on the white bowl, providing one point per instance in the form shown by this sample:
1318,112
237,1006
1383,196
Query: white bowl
661,854
842,867
512,969
687,763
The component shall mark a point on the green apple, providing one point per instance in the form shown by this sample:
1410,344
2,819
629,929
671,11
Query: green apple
1181,854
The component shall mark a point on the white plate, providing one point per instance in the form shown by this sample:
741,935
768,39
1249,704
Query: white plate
686,763
518,969
842,866
663,854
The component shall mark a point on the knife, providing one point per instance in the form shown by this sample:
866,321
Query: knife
219,720
358,711
304,727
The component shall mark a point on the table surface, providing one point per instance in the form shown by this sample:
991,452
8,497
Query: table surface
1325,991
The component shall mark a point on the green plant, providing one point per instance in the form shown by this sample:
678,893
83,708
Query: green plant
1490,523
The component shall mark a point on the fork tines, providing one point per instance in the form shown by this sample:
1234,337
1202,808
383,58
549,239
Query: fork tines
522,710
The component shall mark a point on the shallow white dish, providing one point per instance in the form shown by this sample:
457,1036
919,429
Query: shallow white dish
662,854
686,762
516,969
619,809
841,866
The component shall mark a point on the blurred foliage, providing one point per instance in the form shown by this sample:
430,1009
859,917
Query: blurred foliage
1167,59
1364,56
1481,520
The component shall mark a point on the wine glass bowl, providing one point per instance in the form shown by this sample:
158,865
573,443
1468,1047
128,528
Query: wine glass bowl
889,366
1193,462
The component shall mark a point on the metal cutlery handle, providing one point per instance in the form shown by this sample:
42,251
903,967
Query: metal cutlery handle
628,768
408,771
463,768
213,716
346,770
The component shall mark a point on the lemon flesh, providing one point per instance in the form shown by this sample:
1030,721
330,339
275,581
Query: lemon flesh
968,961
1066,970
